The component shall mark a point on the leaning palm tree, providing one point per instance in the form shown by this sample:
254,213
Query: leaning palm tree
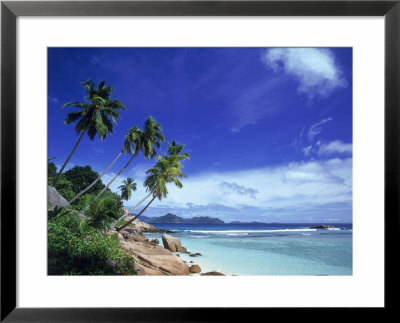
126,148
165,171
174,156
146,141
93,116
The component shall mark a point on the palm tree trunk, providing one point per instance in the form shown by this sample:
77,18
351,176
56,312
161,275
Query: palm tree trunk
69,157
110,182
98,178
130,210
130,221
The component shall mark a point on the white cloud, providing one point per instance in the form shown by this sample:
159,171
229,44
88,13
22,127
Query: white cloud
321,148
315,69
289,192
316,128
335,147
297,186
307,151
228,188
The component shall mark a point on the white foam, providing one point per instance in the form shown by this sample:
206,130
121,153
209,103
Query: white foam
249,231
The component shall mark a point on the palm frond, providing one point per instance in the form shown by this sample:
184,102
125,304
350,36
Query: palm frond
98,115
73,116
76,104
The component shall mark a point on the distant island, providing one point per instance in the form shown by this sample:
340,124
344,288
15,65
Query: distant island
172,218
240,222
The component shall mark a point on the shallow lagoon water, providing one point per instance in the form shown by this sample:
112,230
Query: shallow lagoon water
266,249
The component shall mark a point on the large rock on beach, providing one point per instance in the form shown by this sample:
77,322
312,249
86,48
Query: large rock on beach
155,260
194,269
143,226
133,235
55,199
171,243
155,241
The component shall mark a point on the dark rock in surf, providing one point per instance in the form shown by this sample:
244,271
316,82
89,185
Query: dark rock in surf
212,273
322,227
195,254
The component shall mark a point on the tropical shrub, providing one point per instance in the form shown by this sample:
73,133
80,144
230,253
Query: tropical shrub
80,203
103,212
75,249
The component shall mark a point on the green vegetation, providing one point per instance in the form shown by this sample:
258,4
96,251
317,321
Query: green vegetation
81,177
121,222
73,180
75,248
79,246
102,212
79,238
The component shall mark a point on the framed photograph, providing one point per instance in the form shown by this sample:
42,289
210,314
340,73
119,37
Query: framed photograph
178,155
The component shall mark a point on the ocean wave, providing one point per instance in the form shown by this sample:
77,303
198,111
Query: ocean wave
230,232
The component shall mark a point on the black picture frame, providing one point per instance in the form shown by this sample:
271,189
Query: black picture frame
10,10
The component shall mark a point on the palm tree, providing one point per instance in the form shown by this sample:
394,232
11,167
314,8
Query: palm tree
93,116
175,156
174,153
175,149
141,140
165,171
126,188
126,148
102,212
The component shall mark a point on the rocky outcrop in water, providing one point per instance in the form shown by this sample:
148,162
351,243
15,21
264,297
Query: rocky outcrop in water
322,226
171,243
195,254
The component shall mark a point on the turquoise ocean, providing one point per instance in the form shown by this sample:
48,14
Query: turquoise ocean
266,249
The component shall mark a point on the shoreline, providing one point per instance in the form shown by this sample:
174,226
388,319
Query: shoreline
154,258
262,251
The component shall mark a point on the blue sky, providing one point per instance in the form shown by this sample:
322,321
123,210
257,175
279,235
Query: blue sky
269,130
